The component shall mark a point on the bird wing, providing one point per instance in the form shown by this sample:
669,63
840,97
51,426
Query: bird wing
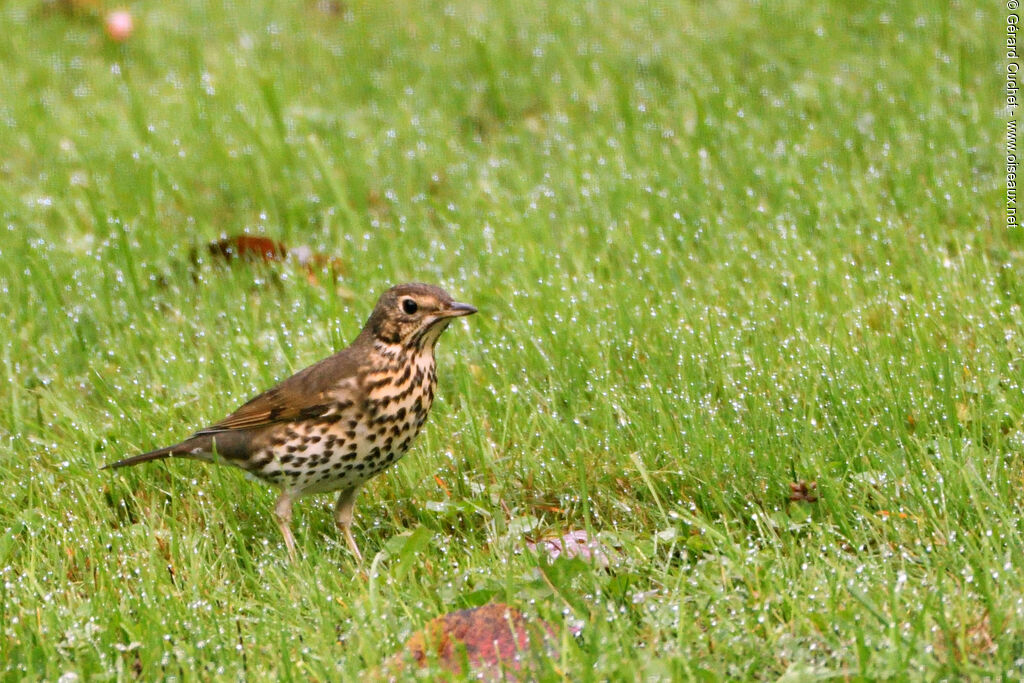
305,395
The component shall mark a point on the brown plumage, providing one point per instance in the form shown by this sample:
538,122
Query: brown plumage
341,421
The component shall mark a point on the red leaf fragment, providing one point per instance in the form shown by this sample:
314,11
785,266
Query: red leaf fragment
495,638
249,248
253,249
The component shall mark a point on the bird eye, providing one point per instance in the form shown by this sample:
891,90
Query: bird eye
409,306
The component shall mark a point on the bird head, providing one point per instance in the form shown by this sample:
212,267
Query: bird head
414,315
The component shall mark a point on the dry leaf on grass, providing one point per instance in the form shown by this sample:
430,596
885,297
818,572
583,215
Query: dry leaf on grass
251,249
803,491
495,640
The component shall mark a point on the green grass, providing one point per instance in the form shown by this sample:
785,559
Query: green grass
717,247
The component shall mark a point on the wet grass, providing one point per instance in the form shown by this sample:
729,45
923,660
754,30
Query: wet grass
718,249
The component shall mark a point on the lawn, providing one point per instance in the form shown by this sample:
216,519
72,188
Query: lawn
749,317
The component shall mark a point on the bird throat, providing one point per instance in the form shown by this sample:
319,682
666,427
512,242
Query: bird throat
401,380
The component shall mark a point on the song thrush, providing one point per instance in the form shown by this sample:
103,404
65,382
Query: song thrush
341,421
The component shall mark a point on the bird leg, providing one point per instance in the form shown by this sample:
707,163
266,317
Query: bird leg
344,511
283,513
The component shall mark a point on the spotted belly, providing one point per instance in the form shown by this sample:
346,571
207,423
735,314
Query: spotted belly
348,446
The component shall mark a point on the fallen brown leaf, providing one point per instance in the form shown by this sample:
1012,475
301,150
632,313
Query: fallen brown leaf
253,249
803,491
494,640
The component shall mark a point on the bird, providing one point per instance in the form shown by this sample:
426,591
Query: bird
341,421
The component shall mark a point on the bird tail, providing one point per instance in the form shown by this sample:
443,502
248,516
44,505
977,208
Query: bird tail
145,457
198,448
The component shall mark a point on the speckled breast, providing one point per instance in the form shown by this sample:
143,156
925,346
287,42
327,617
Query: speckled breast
354,441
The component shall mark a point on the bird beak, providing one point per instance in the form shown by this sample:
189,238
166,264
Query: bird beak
457,310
